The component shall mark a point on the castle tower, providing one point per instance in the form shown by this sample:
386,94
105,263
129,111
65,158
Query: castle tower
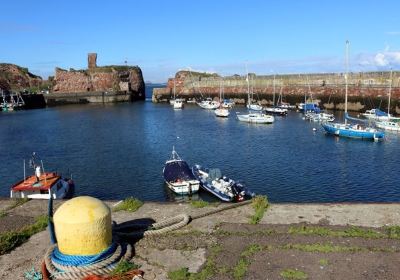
92,60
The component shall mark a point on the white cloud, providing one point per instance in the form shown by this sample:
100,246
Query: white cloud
380,59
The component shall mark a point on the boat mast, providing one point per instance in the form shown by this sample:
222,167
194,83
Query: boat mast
174,90
390,91
273,98
248,86
345,80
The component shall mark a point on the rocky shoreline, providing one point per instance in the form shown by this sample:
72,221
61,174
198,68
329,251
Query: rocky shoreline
322,241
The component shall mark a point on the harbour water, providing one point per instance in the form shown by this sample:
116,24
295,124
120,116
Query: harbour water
118,150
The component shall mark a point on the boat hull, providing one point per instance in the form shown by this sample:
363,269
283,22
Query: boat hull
59,188
348,131
256,118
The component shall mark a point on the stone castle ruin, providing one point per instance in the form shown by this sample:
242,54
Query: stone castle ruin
110,79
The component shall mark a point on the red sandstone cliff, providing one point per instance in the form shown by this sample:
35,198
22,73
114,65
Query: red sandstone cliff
14,77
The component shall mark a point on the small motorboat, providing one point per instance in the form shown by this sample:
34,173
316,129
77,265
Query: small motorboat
178,176
277,111
43,184
209,104
222,187
255,117
178,103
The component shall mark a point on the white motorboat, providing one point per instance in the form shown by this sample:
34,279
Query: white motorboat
391,126
221,112
224,188
178,104
209,104
255,117
319,117
276,111
254,107
178,176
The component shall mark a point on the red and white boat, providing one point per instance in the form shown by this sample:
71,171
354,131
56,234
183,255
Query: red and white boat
43,184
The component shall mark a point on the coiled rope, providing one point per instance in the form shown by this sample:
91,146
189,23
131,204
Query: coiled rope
62,266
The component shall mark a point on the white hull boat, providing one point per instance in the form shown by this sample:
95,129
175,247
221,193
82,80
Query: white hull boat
179,177
222,112
256,118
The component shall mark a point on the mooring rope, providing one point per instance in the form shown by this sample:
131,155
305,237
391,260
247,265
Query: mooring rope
62,266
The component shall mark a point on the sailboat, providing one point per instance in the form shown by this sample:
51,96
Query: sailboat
274,109
254,116
388,124
176,102
250,105
345,129
221,111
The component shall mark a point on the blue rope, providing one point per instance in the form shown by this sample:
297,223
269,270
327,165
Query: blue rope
72,260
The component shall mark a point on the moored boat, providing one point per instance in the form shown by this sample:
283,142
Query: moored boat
209,104
178,176
42,184
224,188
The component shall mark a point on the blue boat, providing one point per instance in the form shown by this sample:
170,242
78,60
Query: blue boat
355,131
226,189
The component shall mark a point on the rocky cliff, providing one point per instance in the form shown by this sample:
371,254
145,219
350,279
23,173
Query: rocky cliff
114,78
365,90
14,77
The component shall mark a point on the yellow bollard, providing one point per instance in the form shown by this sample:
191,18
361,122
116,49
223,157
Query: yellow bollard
83,226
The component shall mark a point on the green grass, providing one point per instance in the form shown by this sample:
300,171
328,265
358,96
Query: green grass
239,271
123,267
322,248
323,262
12,239
294,274
209,270
260,205
349,232
199,203
180,274
393,232
3,214
129,204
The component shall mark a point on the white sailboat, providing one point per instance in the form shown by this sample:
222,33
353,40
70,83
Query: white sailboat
176,102
250,105
256,116
276,110
221,111
388,124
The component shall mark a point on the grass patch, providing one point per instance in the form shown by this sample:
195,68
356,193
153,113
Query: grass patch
199,203
322,248
294,274
207,272
239,271
12,239
350,232
180,274
393,232
3,214
323,262
260,205
129,204
123,267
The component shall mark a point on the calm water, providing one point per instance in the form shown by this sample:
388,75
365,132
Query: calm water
114,151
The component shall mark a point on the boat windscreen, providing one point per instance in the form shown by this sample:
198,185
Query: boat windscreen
177,170
214,173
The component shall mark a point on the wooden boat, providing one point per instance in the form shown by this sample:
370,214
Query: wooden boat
49,183
42,184
178,176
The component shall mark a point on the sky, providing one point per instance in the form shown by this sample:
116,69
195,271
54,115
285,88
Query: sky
162,37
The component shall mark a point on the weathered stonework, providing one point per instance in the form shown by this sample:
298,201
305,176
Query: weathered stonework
364,88
92,60
112,78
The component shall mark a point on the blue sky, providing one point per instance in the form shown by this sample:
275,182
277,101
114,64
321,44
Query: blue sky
163,37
